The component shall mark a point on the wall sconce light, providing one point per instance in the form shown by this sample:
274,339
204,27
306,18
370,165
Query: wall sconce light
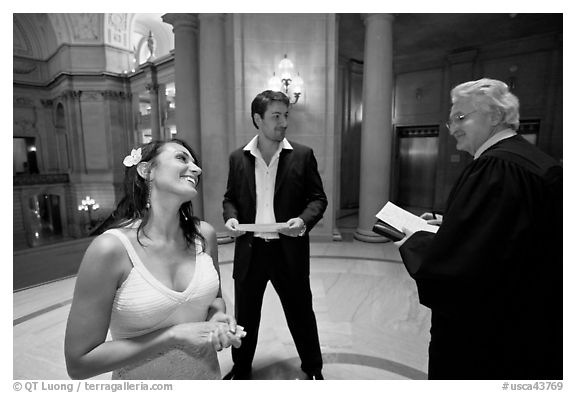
88,205
287,82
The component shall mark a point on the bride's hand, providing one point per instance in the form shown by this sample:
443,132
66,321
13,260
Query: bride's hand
231,336
223,338
196,334
225,318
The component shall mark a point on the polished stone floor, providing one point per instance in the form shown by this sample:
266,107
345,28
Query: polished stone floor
370,324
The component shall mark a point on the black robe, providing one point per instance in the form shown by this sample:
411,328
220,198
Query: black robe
492,274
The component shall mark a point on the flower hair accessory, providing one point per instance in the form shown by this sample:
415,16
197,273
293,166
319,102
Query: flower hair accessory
134,157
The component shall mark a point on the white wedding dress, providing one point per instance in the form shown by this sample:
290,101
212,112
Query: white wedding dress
143,304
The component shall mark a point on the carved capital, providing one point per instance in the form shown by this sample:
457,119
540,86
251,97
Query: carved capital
367,18
113,94
70,95
92,95
212,17
47,103
152,88
181,20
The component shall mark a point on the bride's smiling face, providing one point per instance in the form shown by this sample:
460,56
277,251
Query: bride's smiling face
175,171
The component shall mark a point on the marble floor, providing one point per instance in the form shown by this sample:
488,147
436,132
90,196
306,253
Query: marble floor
370,324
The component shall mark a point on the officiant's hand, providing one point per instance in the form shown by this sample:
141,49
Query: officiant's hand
408,233
432,218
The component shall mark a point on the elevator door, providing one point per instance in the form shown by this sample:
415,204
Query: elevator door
417,157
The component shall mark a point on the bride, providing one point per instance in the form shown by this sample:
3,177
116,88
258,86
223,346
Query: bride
152,280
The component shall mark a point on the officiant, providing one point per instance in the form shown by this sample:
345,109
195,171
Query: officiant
492,274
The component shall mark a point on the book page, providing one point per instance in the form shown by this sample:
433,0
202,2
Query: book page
400,218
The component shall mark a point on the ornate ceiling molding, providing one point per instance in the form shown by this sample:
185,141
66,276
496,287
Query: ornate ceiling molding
117,31
86,27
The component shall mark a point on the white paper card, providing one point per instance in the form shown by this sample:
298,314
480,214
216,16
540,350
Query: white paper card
400,218
261,227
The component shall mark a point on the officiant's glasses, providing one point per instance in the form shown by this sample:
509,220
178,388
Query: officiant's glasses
457,119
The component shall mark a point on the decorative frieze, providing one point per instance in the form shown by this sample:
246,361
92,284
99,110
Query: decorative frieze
92,95
70,95
114,94
23,101
95,95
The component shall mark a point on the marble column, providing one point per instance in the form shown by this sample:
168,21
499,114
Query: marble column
152,89
186,80
163,112
214,113
376,137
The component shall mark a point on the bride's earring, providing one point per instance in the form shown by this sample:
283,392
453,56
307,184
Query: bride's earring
148,194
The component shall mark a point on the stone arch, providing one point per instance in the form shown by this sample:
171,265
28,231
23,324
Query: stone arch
34,36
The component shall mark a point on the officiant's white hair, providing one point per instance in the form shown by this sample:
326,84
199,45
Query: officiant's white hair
490,95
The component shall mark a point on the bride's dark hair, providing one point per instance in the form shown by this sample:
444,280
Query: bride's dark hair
133,205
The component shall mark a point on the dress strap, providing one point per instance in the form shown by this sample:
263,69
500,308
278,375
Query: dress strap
198,246
127,245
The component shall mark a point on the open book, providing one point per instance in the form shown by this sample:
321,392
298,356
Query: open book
392,219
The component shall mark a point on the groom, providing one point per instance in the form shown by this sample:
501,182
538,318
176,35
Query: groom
272,180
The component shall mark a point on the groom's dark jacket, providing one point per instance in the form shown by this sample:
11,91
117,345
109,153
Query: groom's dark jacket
298,192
